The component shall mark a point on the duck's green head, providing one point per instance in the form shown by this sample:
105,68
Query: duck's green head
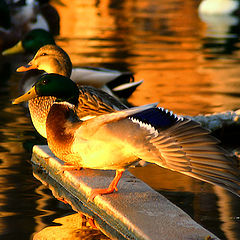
63,88
32,41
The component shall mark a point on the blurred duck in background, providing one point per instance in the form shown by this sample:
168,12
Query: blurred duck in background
51,16
10,30
218,7
220,16
19,17
37,13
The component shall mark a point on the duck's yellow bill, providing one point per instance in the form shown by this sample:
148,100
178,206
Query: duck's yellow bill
18,48
25,68
25,97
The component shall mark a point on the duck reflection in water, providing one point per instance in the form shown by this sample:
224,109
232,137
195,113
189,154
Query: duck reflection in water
72,226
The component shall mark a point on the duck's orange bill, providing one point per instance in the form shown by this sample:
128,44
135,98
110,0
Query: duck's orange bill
24,69
27,96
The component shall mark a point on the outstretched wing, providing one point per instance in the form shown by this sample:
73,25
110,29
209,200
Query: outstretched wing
182,145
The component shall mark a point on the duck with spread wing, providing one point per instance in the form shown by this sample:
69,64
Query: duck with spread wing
119,139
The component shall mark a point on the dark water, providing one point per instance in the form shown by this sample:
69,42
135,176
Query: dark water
187,65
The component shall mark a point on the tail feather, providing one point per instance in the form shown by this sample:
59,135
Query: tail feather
126,90
125,86
123,77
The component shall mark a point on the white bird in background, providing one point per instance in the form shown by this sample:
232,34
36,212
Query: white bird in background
218,7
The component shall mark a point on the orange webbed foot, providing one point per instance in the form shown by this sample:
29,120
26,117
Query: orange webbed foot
96,192
92,223
112,187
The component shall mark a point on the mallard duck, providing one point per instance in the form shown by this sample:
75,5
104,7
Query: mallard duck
36,14
50,14
10,32
117,140
31,42
100,102
121,84
17,18
218,7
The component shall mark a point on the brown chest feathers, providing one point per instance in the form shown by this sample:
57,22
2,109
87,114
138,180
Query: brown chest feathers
60,135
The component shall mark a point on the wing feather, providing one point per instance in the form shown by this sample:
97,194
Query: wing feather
188,148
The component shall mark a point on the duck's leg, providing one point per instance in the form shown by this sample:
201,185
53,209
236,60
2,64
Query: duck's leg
110,189
92,223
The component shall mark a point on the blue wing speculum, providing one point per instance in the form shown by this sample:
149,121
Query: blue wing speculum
159,118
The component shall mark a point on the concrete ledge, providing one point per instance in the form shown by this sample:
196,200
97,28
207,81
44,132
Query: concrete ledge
219,120
136,211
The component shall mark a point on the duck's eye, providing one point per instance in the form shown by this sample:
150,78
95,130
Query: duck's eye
43,54
45,81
